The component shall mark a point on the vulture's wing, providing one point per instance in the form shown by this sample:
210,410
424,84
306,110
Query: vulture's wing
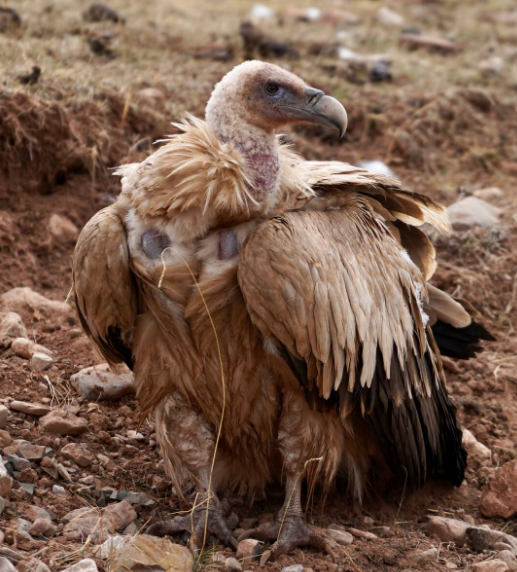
336,294
103,286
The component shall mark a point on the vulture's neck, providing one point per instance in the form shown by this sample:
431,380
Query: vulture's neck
261,152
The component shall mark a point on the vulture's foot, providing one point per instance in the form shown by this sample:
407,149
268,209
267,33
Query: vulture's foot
196,523
293,532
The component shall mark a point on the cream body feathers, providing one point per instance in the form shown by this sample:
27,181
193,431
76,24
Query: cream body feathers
309,293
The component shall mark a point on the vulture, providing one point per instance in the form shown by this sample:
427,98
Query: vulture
276,312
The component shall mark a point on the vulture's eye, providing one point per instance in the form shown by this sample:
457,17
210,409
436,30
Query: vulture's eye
272,88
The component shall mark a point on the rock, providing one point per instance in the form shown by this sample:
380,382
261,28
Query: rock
78,453
5,439
96,527
35,512
425,556
32,565
431,43
25,348
376,167
63,473
500,497
108,548
5,565
106,462
152,96
100,383
77,513
40,361
19,463
496,565
135,435
293,568
62,228
58,490
362,534
261,12
448,529
380,71
121,514
12,555
340,536
474,448
20,299
491,66
489,194
31,452
6,481
389,17
510,559
22,527
144,552
86,565
249,550
486,539
4,414
471,211
63,423
2,507
233,565
136,498
42,527
11,326
29,488
35,409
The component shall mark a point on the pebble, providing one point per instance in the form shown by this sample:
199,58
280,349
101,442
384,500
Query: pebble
340,536
491,66
474,448
31,452
136,498
108,548
64,423
486,539
24,298
376,167
29,488
40,361
98,528
380,71
86,565
261,12
4,414
500,497
6,566
99,383
19,463
35,512
32,565
471,212
232,564
425,556
11,326
6,481
432,43
135,435
2,506
121,514
362,534
106,462
496,565
62,228
42,527
58,490
489,194
5,439
25,348
35,409
389,17
448,529
510,559
293,568
78,453
249,550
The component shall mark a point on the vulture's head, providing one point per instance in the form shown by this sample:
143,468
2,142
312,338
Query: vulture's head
265,96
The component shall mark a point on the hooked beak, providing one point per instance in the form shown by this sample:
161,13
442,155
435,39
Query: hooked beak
320,109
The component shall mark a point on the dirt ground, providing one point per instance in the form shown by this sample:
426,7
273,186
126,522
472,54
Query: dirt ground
445,124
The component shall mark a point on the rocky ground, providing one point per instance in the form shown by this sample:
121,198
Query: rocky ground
430,89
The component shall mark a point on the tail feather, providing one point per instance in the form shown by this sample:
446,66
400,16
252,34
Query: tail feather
460,343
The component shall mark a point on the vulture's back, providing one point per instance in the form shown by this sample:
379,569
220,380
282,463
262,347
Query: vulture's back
343,303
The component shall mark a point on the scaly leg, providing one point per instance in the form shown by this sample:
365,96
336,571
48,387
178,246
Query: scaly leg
187,445
290,529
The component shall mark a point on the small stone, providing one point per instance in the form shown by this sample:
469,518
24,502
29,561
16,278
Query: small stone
135,435
78,453
376,167
106,462
77,513
486,539
20,299
2,506
232,564
496,565
474,448
121,514
131,529
100,383
35,409
340,536
86,565
389,17
19,463
362,534
22,527
12,555
11,326
509,557
5,439
470,212
6,481
293,568
29,488
63,473
96,527
6,566
35,512
64,423
500,497
108,548
431,43
40,361
42,527
261,12
152,96
491,66
489,194
32,565
62,228
26,349
380,71
249,550
448,529
136,498
58,490
31,452
4,414
425,556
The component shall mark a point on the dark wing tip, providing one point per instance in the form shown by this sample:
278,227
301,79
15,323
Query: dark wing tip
460,343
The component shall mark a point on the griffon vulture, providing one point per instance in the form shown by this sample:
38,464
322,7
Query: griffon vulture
274,310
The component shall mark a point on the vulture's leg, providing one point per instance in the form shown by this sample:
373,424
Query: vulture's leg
187,444
290,529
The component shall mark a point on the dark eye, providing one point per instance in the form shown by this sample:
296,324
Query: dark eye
272,88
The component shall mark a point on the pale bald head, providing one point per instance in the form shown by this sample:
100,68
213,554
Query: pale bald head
267,97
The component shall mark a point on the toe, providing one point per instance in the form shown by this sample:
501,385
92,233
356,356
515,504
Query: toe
169,527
